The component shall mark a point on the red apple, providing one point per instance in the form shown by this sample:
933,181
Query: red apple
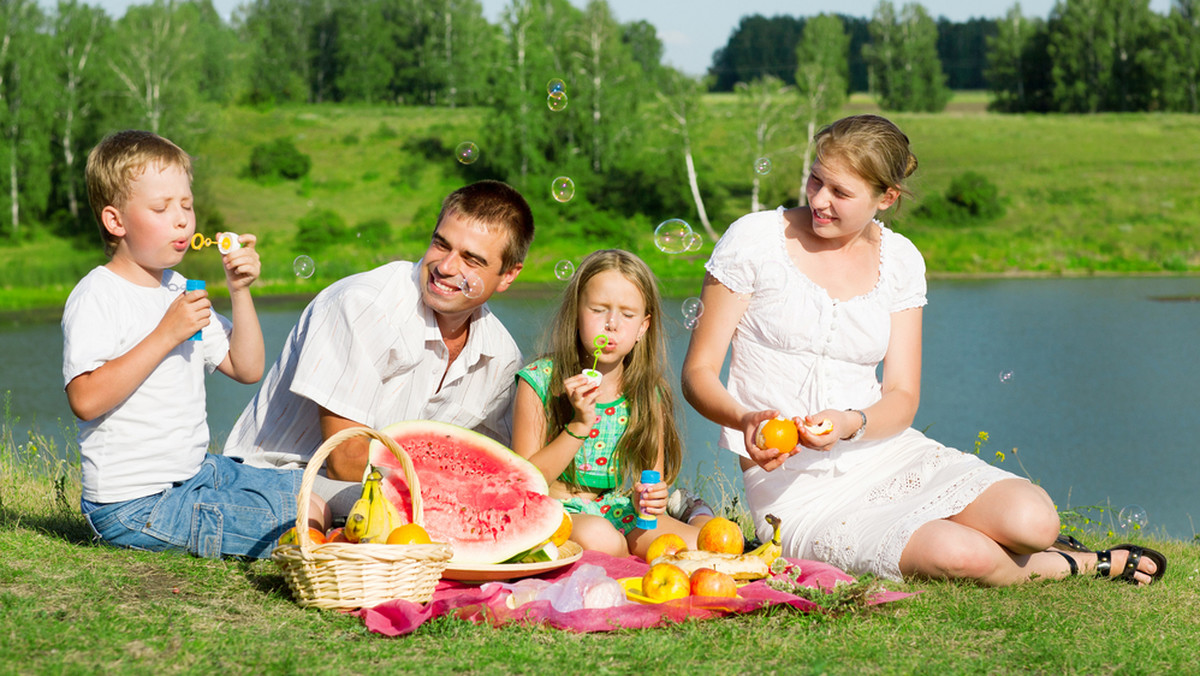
708,582
667,543
721,535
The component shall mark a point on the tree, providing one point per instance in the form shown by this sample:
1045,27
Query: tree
757,47
78,30
906,74
680,99
24,112
1181,58
153,59
822,78
278,32
1102,55
962,50
365,46
772,107
608,80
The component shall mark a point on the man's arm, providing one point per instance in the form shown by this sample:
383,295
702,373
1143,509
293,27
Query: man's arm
347,462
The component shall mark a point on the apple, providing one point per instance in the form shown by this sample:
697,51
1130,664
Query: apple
337,535
721,535
667,543
666,581
709,582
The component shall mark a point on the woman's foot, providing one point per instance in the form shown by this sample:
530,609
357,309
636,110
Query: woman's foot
1126,563
684,506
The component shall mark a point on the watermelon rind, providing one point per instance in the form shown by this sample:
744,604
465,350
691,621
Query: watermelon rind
486,501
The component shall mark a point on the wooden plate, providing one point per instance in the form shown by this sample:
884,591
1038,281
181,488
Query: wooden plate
494,572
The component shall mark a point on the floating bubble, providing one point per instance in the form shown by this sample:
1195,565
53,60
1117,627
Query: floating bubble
762,166
557,101
470,285
563,270
562,189
671,236
1006,376
555,85
304,266
466,152
1132,518
693,241
692,308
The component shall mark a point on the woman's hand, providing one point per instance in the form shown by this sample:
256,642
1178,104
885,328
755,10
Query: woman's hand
766,458
652,498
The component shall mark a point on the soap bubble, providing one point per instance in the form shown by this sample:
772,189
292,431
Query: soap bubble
470,285
1132,518
562,189
692,308
671,236
762,166
555,85
1006,376
563,270
693,241
466,152
304,266
557,101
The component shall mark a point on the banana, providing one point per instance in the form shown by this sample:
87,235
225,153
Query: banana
373,516
772,549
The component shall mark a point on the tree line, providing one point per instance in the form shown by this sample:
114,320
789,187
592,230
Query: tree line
69,72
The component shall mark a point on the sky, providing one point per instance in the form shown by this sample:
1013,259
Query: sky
691,30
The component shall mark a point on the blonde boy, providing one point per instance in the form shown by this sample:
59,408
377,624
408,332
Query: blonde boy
136,381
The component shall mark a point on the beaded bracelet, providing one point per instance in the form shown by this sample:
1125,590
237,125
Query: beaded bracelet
861,429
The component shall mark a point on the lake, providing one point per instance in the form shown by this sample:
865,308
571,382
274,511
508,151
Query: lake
1089,379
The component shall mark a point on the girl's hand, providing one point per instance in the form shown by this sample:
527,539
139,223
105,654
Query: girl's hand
583,396
766,458
242,266
652,498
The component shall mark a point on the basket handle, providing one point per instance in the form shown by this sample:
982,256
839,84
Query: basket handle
318,459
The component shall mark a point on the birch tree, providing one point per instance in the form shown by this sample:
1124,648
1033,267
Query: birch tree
152,59
78,30
1182,59
822,80
680,99
906,74
24,98
772,106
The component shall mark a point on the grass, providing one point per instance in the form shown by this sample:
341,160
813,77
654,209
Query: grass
70,606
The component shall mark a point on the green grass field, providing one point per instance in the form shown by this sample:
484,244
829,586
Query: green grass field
1084,194
70,606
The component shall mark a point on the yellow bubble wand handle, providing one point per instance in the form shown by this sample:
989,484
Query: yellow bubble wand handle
600,342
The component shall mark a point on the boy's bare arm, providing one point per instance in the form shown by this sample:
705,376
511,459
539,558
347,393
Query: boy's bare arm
97,392
246,357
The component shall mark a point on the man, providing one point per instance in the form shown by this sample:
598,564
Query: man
405,341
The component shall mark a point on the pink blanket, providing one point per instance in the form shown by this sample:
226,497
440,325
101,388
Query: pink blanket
487,604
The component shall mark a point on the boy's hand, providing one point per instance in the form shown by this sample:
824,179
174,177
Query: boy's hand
242,266
186,315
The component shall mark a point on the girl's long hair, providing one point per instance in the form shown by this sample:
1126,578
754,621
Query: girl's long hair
644,383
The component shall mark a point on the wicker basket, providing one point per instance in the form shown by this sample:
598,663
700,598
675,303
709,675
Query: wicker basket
343,575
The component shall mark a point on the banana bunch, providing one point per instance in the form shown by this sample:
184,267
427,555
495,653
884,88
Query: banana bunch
373,516
772,549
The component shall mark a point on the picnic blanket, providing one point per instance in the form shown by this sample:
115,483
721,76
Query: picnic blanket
488,603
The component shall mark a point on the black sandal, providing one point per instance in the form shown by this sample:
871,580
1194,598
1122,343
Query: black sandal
1070,544
1070,561
1104,563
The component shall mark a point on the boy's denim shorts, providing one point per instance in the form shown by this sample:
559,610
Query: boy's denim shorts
227,508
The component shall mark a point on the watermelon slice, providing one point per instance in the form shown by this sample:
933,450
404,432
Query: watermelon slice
489,503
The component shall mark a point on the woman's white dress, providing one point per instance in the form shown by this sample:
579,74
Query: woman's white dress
800,351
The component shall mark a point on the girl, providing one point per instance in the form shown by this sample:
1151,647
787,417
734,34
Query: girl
871,495
589,439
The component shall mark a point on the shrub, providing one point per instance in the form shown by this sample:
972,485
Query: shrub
374,232
319,228
970,197
278,159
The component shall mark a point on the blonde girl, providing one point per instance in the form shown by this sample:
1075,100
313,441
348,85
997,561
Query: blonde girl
810,301
591,440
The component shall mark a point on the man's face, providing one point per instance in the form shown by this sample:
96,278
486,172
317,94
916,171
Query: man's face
461,268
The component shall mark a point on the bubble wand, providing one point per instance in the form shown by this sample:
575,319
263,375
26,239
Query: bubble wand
226,242
594,376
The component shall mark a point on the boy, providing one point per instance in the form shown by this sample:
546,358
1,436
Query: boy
135,378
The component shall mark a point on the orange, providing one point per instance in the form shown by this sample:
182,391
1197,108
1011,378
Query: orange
563,533
290,537
721,535
408,534
778,433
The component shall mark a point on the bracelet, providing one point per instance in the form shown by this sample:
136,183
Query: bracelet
861,428
581,437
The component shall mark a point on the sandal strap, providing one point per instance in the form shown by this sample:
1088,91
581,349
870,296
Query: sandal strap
1103,563
1070,561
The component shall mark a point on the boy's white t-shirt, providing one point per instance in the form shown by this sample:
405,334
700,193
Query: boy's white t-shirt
159,434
